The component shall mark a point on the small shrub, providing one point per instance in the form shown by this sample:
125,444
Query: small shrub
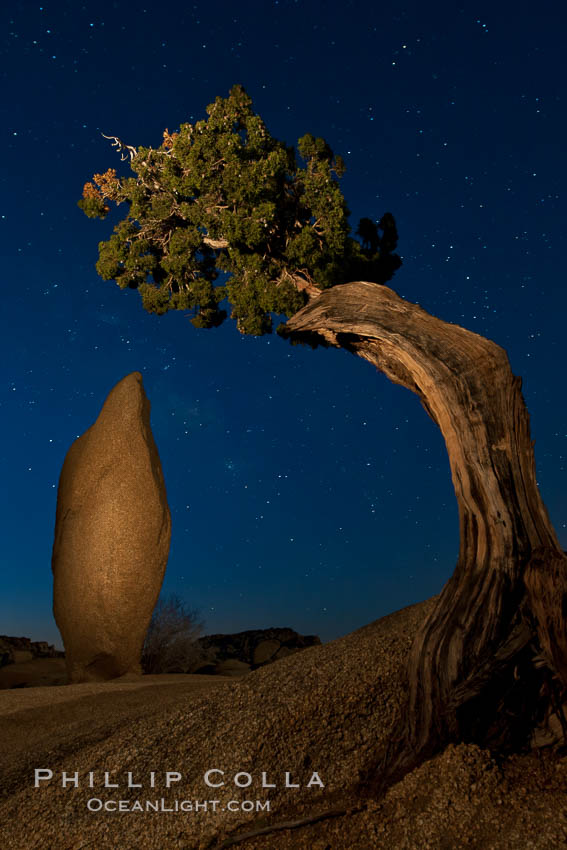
171,641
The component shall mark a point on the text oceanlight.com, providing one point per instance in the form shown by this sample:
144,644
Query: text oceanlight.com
197,806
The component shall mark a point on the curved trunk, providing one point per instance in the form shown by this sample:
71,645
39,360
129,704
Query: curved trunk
471,671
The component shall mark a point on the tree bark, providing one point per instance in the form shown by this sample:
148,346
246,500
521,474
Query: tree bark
473,671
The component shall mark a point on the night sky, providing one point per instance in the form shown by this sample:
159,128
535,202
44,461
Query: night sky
305,489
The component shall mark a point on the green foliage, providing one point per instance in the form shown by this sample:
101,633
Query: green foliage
223,195
93,207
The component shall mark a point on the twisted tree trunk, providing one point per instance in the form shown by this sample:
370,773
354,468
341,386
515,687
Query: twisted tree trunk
472,671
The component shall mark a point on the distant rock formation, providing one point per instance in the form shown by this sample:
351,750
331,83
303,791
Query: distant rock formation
6,653
237,654
112,535
14,649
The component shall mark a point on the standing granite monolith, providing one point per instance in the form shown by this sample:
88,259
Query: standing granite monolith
112,535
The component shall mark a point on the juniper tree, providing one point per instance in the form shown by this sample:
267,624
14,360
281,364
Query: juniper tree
224,196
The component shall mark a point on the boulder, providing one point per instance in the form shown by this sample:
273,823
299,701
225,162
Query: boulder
19,644
232,667
6,653
265,651
22,655
112,536
42,649
20,649
253,648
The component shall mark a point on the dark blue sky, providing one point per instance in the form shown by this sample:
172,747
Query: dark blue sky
305,490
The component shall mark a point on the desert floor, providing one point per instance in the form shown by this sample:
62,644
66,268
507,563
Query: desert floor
42,724
326,708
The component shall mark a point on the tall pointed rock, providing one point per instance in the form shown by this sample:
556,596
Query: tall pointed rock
112,536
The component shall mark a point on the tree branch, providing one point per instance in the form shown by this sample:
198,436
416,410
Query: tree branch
467,648
217,244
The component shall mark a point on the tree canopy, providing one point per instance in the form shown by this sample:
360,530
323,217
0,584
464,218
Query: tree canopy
224,196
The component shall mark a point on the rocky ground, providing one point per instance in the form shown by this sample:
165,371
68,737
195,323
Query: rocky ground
33,673
324,711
